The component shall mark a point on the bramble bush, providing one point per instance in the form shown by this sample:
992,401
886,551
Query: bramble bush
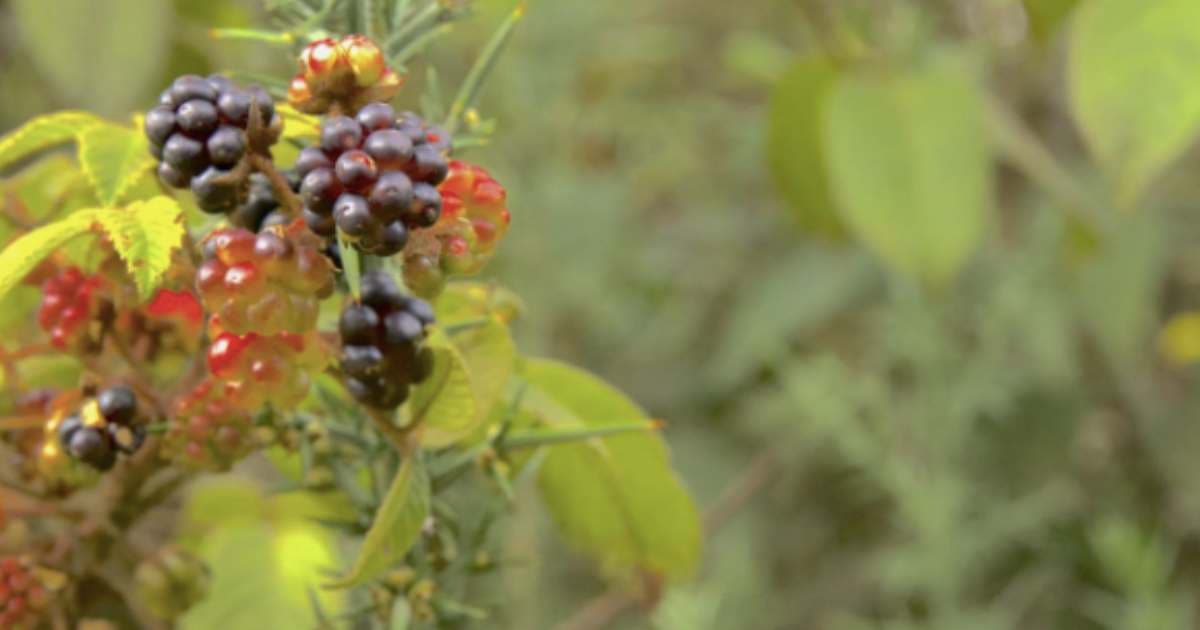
239,270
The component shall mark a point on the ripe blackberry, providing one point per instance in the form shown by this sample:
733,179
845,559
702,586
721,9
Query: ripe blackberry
70,301
474,219
266,283
199,133
103,428
261,209
343,74
23,596
261,369
374,177
382,343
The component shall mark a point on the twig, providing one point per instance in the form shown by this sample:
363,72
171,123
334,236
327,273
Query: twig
283,191
603,610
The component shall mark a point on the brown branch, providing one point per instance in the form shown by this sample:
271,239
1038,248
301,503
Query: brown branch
279,185
601,611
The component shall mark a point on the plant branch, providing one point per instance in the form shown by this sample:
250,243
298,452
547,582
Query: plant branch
279,185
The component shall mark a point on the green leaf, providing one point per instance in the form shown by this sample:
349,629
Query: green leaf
445,402
44,132
144,235
23,254
102,53
616,498
397,524
909,161
1133,90
795,143
113,158
490,356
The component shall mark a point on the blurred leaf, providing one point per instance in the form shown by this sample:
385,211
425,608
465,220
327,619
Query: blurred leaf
1130,263
23,254
616,498
397,524
145,234
794,297
98,53
795,143
479,72
1131,76
445,402
262,576
910,167
44,132
464,302
1046,16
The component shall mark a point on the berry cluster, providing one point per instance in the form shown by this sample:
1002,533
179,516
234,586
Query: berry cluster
374,177
171,582
69,304
266,283
382,350
261,209
259,369
474,218
105,426
23,597
207,431
199,132
344,74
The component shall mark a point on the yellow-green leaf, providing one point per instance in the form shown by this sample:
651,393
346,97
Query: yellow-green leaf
445,402
397,524
113,158
910,165
795,144
1132,82
490,356
616,498
23,254
144,235
44,132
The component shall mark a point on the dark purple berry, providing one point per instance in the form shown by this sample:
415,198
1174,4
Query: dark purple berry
159,124
190,87
172,176
185,154
196,118
426,206
393,239
340,133
319,190
428,165
357,325
356,170
234,106
354,218
226,146
376,116
390,148
392,196
320,224
91,446
117,404
311,159
216,190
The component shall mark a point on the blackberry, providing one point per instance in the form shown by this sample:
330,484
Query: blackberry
103,428
374,177
198,132
382,343
261,209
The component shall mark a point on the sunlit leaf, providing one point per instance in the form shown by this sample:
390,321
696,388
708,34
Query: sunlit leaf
616,498
44,132
444,403
1131,77
910,165
145,234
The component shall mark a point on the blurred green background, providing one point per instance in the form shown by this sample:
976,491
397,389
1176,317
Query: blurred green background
974,410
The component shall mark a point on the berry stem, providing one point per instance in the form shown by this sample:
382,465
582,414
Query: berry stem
404,439
279,185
